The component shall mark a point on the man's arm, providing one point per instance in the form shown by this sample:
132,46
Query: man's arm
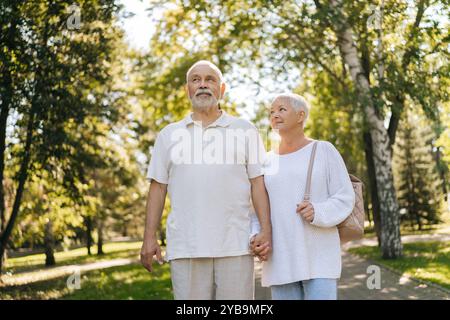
154,209
260,200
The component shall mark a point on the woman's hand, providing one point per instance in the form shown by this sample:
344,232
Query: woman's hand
259,248
306,211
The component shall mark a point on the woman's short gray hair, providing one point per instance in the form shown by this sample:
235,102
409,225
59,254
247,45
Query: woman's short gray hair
297,102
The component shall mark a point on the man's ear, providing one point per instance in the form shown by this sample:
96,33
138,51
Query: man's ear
186,89
222,89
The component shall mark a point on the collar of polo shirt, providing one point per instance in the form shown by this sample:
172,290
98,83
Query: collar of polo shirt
223,121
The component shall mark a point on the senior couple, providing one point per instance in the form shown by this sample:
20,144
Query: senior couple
212,232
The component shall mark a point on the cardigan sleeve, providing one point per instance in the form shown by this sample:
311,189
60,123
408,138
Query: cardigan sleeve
341,197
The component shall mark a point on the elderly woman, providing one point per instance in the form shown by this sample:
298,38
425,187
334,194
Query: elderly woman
306,258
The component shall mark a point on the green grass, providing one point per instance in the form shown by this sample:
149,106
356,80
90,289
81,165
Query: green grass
122,282
130,282
429,261
76,256
406,230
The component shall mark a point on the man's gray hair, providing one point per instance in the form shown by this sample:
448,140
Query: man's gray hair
208,63
297,102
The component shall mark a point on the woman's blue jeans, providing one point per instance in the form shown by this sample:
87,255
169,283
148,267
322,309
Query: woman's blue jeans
313,289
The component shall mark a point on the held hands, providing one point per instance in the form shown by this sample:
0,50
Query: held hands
261,245
149,249
306,210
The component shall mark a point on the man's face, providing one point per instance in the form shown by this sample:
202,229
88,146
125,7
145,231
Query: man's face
204,87
283,116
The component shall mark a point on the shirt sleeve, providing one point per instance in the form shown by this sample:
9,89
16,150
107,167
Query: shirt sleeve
341,198
158,169
256,154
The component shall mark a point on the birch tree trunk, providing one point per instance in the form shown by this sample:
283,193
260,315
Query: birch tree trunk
391,245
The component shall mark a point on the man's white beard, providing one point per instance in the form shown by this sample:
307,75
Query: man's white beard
202,103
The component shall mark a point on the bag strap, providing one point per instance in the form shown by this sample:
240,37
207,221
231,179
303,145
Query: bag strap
307,195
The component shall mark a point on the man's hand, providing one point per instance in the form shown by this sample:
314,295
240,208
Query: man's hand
149,249
306,211
261,245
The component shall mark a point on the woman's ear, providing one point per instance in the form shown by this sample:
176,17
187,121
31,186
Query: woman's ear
301,116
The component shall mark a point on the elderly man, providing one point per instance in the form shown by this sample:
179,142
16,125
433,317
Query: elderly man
210,179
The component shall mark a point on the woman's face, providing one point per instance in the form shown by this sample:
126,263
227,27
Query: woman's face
283,116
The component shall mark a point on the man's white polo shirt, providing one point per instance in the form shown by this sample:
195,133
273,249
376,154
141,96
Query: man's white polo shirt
207,171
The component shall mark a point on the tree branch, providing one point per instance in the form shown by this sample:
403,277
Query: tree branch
396,110
398,105
318,59
406,60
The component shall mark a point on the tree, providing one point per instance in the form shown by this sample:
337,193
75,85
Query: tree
443,149
46,68
417,181
48,216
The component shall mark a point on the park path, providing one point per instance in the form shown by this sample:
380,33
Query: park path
394,286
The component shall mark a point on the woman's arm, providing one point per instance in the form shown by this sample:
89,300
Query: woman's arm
341,199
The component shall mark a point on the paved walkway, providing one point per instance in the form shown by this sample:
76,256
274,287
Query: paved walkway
353,284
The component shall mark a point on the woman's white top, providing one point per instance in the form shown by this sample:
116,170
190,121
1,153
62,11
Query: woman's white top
303,250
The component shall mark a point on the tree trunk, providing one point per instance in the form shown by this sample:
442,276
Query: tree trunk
391,245
88,222
100,237
373,185
442,173
3,261
3,121
49,242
